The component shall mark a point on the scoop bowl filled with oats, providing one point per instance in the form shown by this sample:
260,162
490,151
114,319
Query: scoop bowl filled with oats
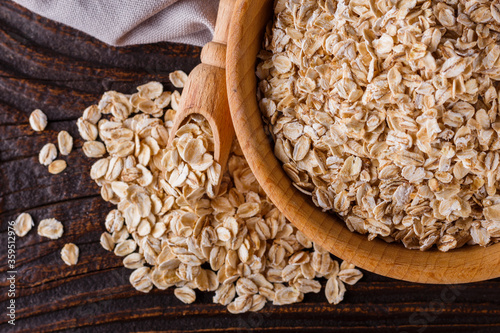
372,125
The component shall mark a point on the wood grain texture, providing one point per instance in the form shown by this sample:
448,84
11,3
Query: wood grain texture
52,67
467,264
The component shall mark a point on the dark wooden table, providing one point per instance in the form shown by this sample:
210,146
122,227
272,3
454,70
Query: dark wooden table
61,71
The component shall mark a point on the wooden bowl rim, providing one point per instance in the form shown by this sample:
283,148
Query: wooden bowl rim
464,265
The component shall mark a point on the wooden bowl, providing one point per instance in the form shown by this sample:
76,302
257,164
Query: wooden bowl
467,264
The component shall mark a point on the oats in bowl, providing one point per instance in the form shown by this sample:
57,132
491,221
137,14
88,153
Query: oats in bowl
386,114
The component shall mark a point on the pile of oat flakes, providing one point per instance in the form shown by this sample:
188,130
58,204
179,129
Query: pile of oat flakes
385,112
174,229
172,225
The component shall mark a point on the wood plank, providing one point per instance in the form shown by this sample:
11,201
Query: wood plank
49,66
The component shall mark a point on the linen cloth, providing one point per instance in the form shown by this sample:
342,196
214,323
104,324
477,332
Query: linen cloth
127,22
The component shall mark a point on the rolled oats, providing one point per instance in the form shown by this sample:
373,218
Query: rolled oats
50,228
334,290
169,221
185,295
133,261
69,254
124,248
141,279
88,131
38,120
150,90
240,304
94,149
178,78
387,116
65,142
57,166
47,154
92,114
23,224
107,241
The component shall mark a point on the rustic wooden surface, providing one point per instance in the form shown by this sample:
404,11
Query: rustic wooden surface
48,66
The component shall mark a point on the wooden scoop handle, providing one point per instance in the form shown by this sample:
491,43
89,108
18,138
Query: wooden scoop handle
205,92
226,8
214,53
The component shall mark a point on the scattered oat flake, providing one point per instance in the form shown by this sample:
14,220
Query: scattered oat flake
69,254
65,142
47,154
57,166
50,228
38,120
23,224
178,78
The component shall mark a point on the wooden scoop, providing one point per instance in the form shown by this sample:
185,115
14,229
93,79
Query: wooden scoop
205,91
